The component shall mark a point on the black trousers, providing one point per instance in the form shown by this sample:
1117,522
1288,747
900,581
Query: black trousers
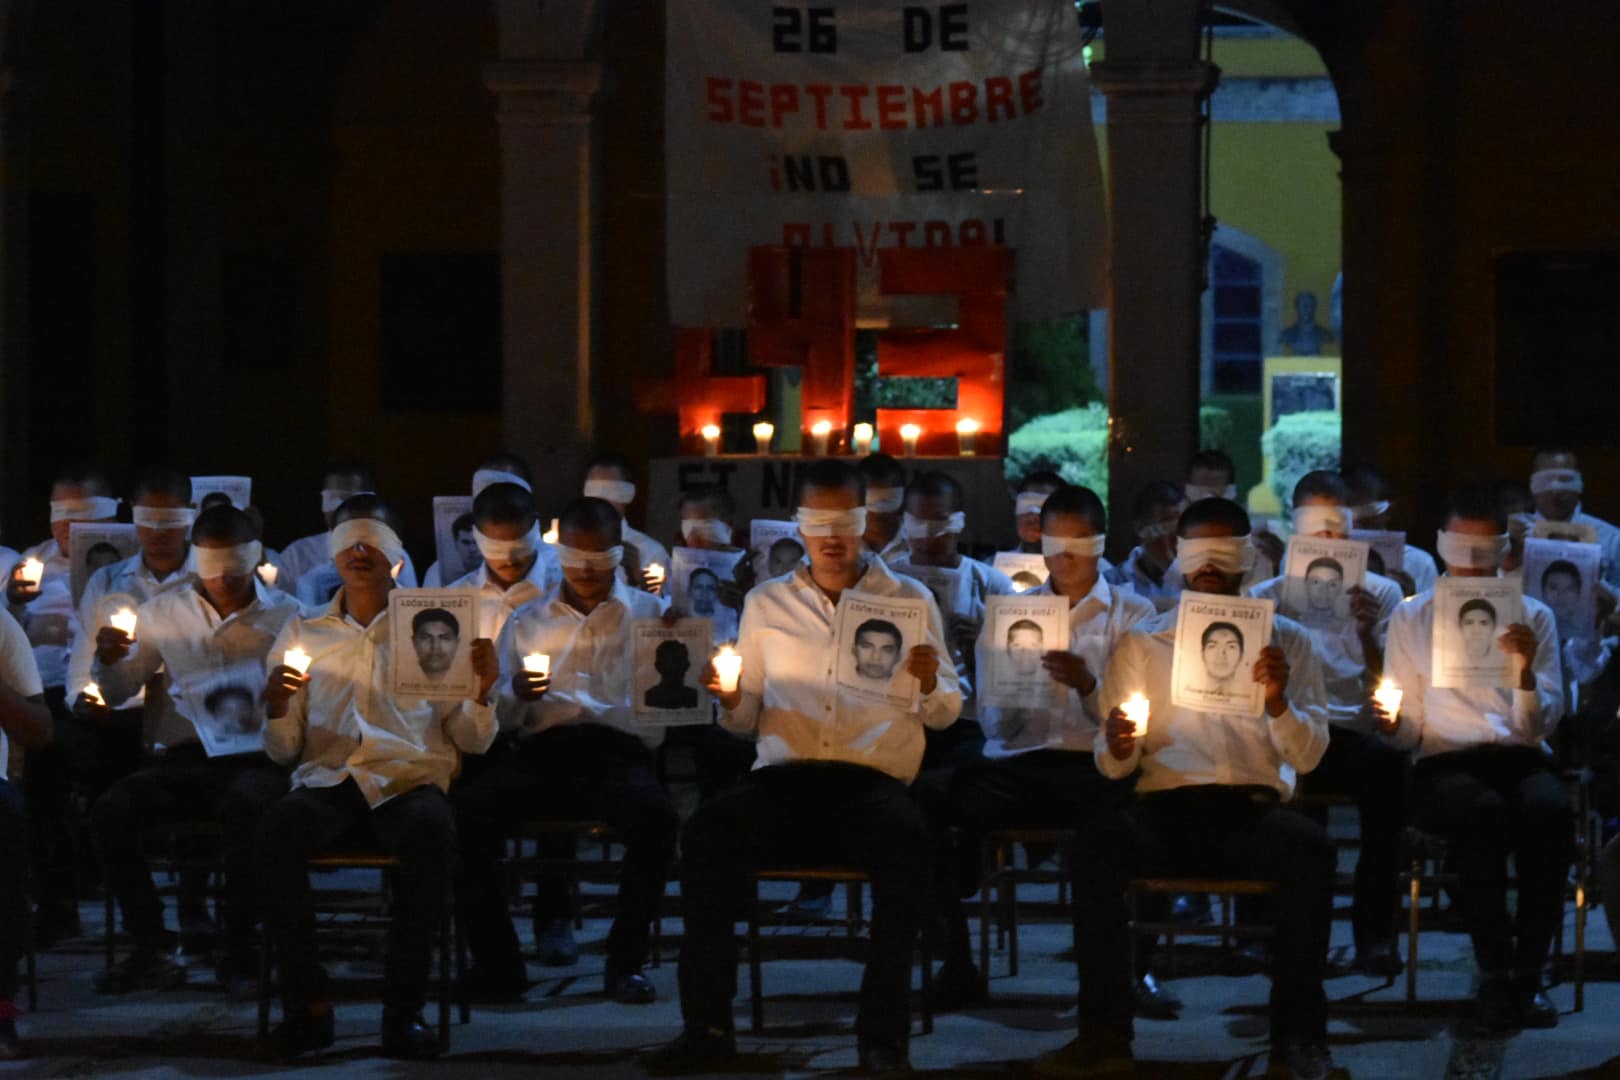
13,886
575,771
1377,776
417,828
1490,801
827,814
1218,831
47,796
186,785
1049,789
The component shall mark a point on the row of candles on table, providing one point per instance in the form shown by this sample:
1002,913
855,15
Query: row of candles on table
861,436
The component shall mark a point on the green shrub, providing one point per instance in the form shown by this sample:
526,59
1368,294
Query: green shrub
1072,443
1214,428
1297,444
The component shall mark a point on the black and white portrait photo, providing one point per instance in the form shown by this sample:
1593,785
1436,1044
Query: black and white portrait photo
668,662
1218,640
431,632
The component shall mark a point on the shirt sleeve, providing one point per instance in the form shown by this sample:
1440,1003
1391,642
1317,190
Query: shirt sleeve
1536,712
1300,733
471,726
283,737
18,670
941,707
82,659
121,681
1410,672
509,711
744,719
1126,674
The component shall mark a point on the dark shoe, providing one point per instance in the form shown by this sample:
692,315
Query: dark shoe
145,968
55,923
1381,960
1535,1009
406,1035
629,988
11,1047
556,944
1154,1001
1304,1061
1495,1006
693,1051
1089,1055
1193,909
958,985
883,1058
487,987
301,1033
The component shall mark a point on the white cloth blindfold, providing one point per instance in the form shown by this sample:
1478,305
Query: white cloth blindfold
1471,552
369,532
91,508
885,500
1194,492
1086,547
1227,554
711,529
508,551
1310,520
332,498
483,478
1546,480
831,522
926,528
1030,502
1149,533
613,491
1368,510
164,517
238,561
577,559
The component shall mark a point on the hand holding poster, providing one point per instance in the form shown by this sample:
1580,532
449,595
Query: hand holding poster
695,577
1026,571
94,544
1470,613
1563,575
1319,576
453,536
1218,639
239,489
668,661
875,634
430,636
776,547
1018,633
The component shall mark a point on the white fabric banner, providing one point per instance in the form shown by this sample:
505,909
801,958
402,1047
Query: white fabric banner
873,125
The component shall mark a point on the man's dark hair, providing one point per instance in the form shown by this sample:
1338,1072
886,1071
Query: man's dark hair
1155,496
221,694
691,578
1476,502
880,626
1076,500
369,505
1558,566
935,485
609,459
1025,624
92,479
505,504
1039,478
1213,459
1214,512
224,524
1478,603
588,514
213,499
717,499
830,473
1325,563
102,548
1209,632
1556,450
506,461
1367,479
1321,483
882,470
428,616
359,468
463,523
162,480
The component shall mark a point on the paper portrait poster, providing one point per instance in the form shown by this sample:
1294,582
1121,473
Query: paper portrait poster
668,661
1026,571
430,636
1319,574
226,709
1469,615
94,544
455,544
1218,639
776,547
1018,633
944,582
1390,547
695,576
875,635
1575,532
238,488
1563,575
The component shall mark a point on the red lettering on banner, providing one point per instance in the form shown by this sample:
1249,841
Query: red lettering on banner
971,233
1029,90
867,248
719,95
937,233
923,102
796,234
998,95
821,92
891,104
750,104
857,120
964,103
784,100
902,231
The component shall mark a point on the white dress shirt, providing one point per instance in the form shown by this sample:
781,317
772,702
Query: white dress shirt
1608,541
1433,720
1421,568
346,722
1184,748
311,558
592,675
9,558
648,550
974,581
496,602
1338,647
1163,594
179,634
17,671
123,584
1098,622
790,698
50,619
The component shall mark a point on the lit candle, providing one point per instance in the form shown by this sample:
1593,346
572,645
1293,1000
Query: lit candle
1388,696
1136,711
123,619
819,431
93,693
966,429
537,663
550,535
398,568
32,571
728,665
297,659
711,439
909,434
267,574
863,439
654,575
763,432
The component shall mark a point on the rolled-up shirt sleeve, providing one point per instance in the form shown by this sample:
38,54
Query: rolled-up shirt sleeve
1537,712
744,719
1300,733
283,736
1403,664
121,681
1125,674
941,707
471,726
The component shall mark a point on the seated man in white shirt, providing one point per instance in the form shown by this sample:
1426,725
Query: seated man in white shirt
1357,762
1148,570
1484,776
609,477
517,565
885,499
306,568
499,468
23,717
1211,794
212,633
1212,474
1031,495
1039,770
371,769
1556,486
578,754
830,785
1370,505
